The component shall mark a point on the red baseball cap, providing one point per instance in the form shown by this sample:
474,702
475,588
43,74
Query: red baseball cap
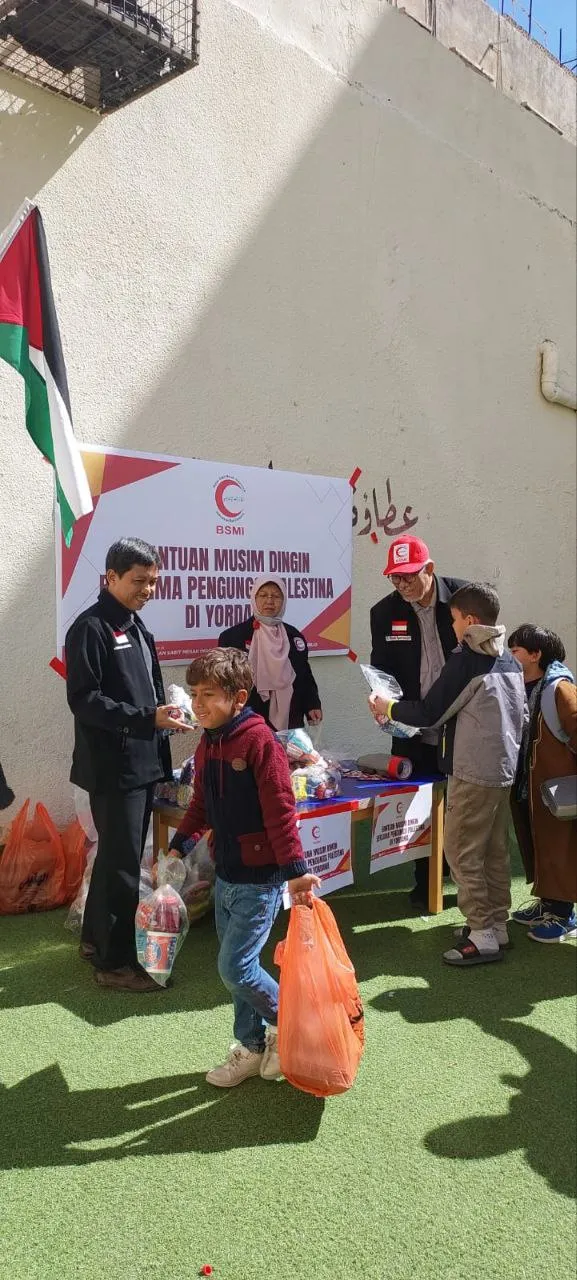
406,555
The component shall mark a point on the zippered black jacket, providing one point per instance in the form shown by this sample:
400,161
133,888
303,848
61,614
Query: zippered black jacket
399,652
116,743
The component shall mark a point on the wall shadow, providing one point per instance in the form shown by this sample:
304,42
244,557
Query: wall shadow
38,131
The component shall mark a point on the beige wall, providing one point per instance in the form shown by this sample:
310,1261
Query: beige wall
275,257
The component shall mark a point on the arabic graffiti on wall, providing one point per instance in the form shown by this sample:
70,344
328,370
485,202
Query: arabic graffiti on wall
371,522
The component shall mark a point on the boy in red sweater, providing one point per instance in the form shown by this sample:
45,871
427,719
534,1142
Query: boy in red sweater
243,793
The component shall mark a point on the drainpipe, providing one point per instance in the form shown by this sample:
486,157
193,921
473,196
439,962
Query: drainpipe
556,391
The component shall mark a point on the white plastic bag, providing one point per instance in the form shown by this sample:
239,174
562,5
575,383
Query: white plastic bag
385,685
75,916
84,814
198,889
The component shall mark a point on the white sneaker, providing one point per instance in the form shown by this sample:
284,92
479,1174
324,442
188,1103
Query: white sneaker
239,1066
500,931
270,1062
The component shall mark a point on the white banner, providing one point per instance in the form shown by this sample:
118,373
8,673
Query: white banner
401,826
217,528
326,841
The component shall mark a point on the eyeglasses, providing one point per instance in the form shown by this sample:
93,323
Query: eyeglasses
407,578
269,595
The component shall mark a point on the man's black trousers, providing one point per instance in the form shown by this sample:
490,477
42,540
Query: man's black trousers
121,819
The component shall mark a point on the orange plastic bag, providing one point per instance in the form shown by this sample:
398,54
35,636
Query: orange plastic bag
320,1019
32,866
75,846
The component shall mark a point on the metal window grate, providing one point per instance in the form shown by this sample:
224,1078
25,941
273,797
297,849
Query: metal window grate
101,53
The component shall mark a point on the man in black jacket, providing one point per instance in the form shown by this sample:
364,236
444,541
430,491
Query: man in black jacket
412,637
121,750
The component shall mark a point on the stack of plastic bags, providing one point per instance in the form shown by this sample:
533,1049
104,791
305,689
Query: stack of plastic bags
313,776
40,866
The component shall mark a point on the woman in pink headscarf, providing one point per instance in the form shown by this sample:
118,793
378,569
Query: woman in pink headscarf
285,690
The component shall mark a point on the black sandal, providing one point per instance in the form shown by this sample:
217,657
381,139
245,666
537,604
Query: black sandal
465,954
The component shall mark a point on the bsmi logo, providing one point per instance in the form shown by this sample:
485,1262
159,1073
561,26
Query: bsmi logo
229,498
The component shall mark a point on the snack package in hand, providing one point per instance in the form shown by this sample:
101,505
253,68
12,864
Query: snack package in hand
178,697
185,784
387,687
161,922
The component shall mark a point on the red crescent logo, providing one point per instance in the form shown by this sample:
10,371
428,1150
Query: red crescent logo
316,833
219,496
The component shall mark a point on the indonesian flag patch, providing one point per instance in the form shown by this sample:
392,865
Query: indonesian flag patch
121,640
400,628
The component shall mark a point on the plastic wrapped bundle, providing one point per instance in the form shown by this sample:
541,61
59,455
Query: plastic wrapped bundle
166,792
320,781
178,697
313,777
161,921
387,687
299,747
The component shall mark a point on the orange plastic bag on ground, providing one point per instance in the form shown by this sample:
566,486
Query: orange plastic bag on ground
75,845
32,866
320,1019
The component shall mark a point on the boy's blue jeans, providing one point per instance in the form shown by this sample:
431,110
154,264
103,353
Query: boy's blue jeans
245,914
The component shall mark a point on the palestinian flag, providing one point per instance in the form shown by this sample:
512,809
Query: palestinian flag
30,342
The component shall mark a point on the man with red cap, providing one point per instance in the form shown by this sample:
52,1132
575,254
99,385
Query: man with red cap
412,637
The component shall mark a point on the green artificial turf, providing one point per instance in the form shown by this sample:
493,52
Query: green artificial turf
452,1157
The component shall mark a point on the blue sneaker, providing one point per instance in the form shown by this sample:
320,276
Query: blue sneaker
533,914
554,929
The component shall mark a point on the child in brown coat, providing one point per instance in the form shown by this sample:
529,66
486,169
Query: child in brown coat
548,845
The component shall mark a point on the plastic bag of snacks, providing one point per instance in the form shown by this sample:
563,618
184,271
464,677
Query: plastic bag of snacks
320,781
299,747
166,792
387,687
198,889
313,776
161,922
178,697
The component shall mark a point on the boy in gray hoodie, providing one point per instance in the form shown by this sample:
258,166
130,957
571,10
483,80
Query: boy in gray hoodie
479,698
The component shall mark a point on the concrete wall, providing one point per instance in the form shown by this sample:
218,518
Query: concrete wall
331,245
